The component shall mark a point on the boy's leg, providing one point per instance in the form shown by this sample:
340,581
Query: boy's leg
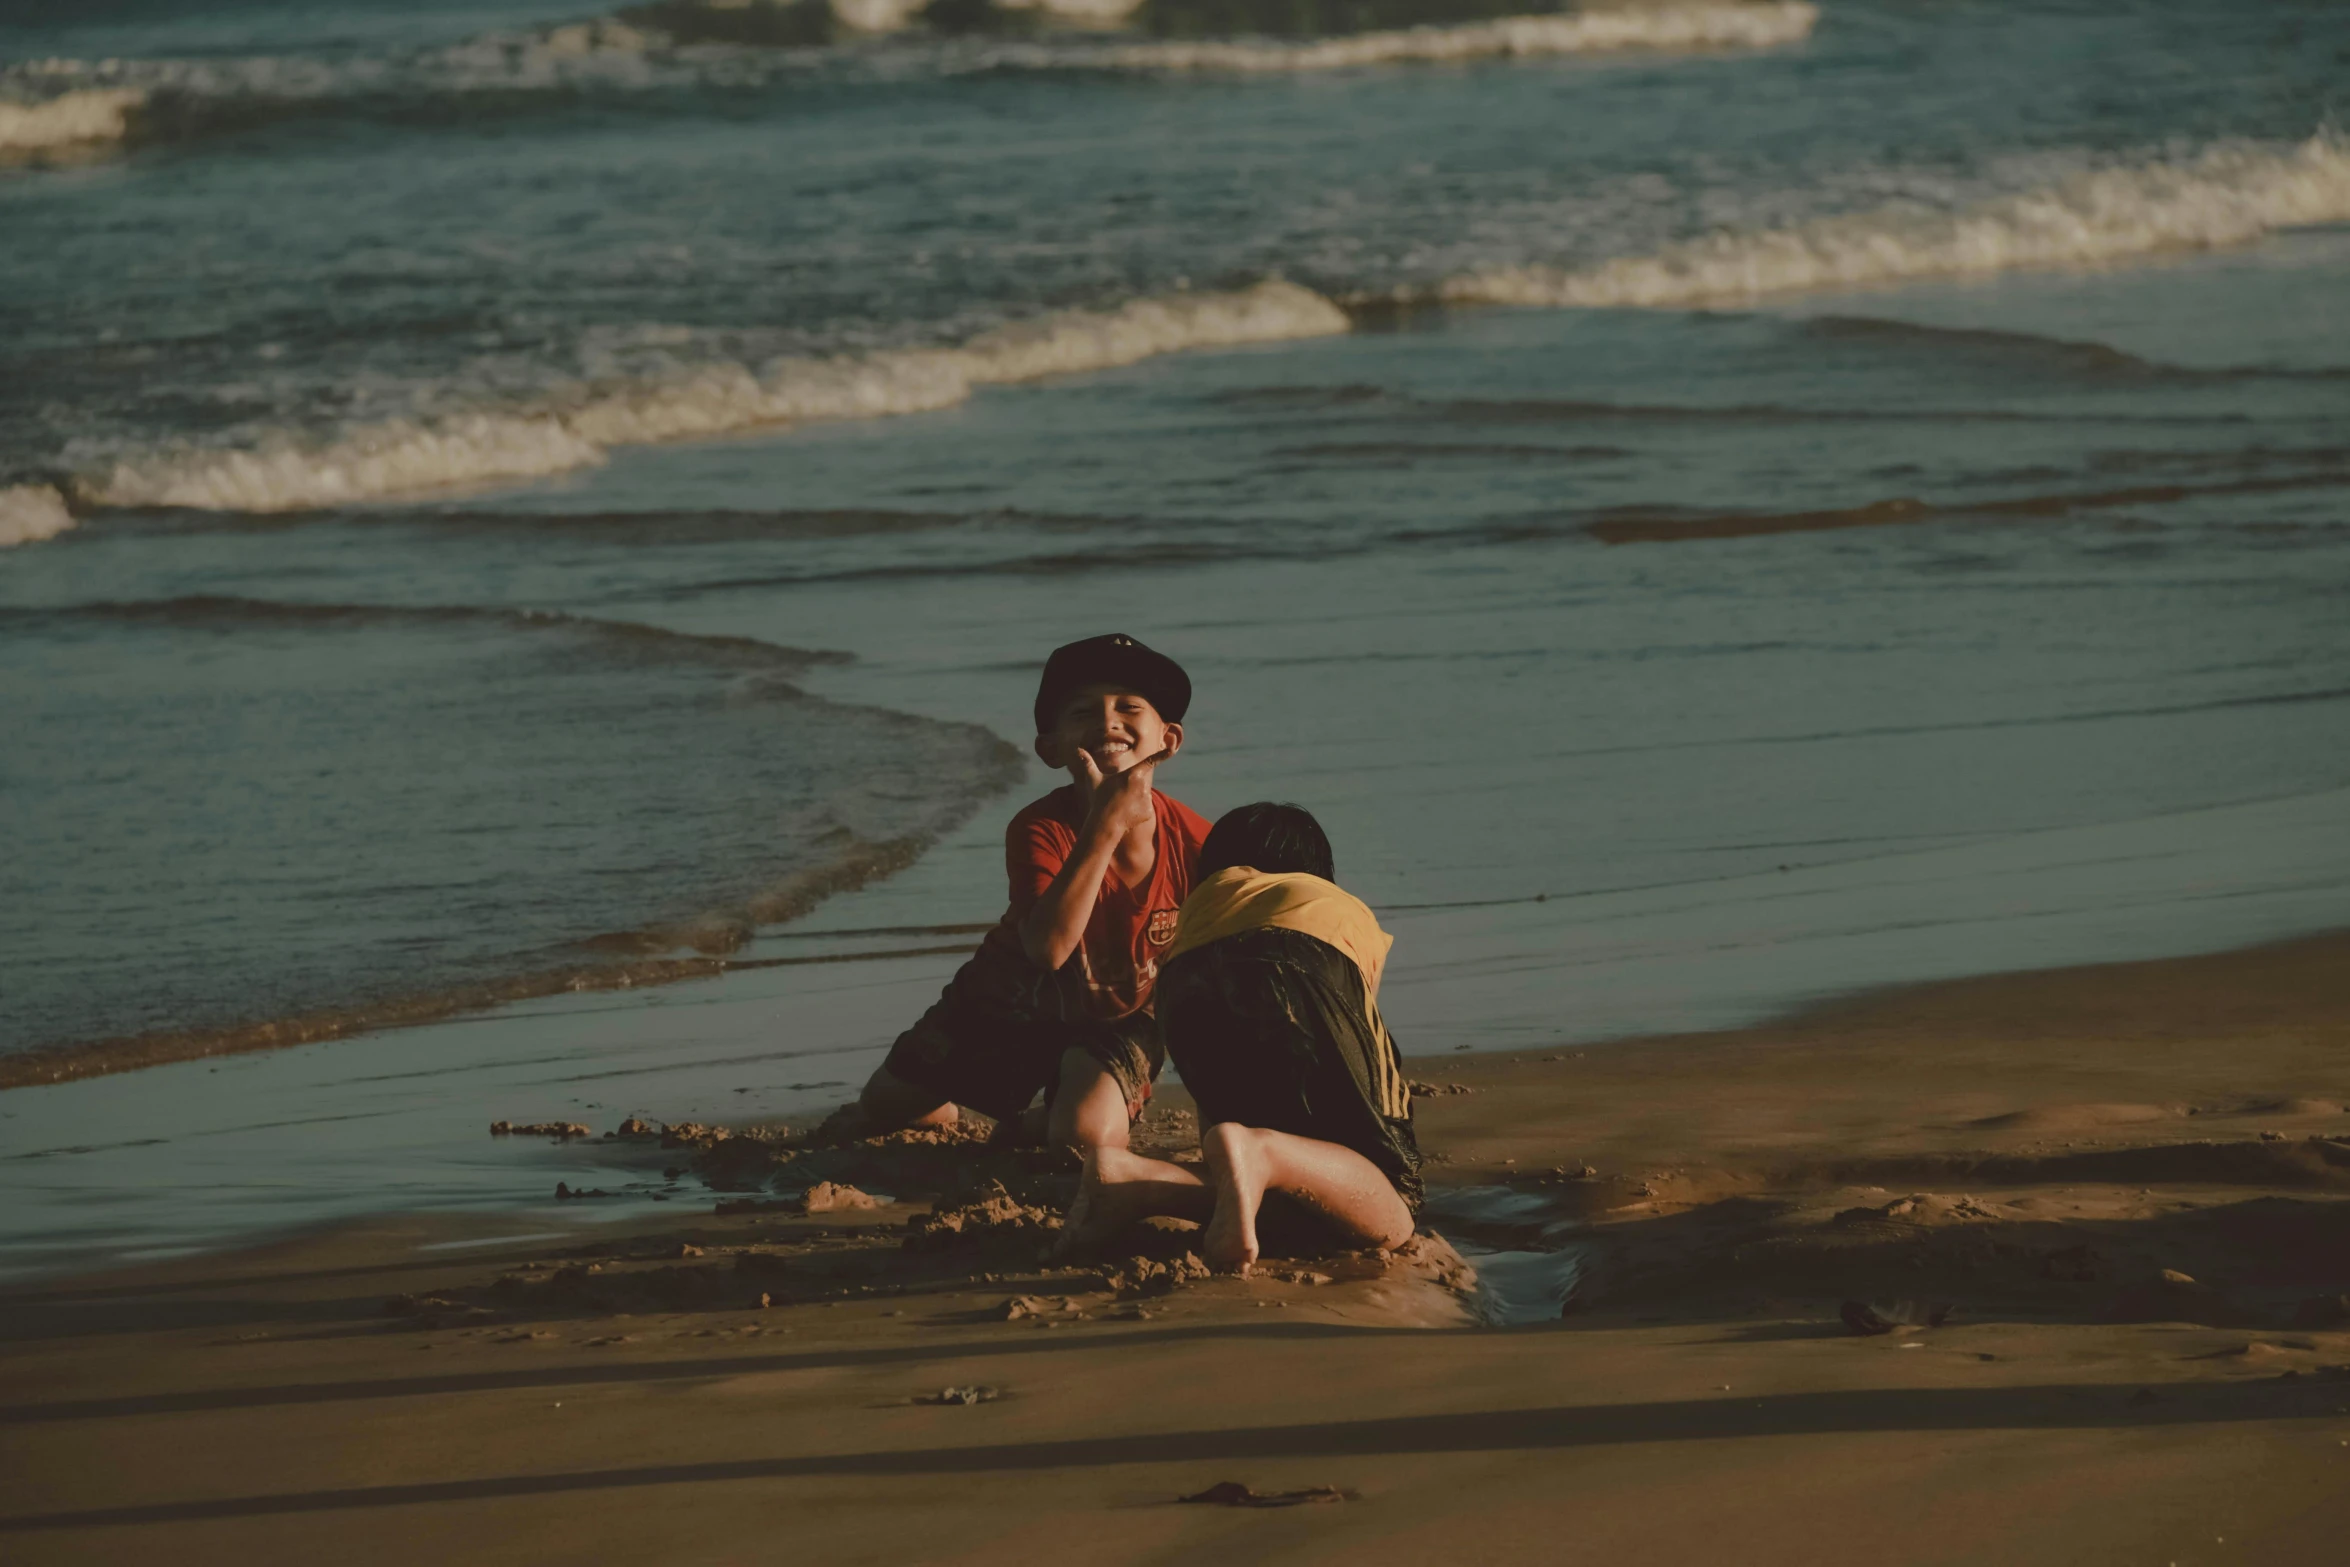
1122,1187
890,1103
1245,1162
1105,1079
960,1052
1089,1109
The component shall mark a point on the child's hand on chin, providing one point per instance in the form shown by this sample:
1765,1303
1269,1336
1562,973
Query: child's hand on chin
1121,800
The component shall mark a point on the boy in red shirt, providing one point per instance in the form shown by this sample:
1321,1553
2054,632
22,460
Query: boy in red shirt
1059,995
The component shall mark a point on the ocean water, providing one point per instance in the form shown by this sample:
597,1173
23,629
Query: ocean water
1715,505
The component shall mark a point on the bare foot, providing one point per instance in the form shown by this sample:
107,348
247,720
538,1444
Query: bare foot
1235,1170
1113,1194
1230,1244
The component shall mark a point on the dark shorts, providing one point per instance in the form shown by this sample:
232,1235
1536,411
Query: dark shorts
995,1039
1272,1028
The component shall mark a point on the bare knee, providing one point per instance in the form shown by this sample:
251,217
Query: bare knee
1089,1107
890,1101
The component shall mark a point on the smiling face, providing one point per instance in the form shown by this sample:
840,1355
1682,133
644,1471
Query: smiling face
1119,727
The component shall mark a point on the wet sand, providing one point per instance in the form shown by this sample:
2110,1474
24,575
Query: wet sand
2126,1182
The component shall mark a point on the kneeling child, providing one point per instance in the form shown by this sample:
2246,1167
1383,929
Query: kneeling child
1268,1003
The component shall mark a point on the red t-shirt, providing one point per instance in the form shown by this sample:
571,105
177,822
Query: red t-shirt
1117,962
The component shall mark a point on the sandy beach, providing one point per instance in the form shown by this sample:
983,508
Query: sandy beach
2125,1183
1796,550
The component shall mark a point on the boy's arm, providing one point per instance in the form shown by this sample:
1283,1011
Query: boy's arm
1120,803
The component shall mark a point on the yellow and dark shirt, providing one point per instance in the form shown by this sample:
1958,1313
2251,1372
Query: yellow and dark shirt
1270,1009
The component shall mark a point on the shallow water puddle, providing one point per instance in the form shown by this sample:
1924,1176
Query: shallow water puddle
495,1240
1515,1287
1526,1269
1487,1206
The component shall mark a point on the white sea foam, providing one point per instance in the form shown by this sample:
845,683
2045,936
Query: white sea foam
57,89
1093,13
385,458
90,114
876,16
30,513
2228,195
394,456
1758,25
575,40
59,103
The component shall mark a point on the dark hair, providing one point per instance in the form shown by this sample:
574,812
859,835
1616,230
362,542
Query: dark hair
1268,837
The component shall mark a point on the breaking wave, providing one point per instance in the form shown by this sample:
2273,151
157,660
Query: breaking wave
395,456
1753,26
75,117
30,513
788,24
56,104
53,105
2228,195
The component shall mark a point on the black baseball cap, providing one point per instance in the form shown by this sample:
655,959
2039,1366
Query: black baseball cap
1113,660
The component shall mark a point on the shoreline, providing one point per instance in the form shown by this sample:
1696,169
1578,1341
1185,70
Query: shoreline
46,1064
804,1009
1812,1017
2131,1183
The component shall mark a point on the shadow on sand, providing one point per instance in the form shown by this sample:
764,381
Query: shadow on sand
2061,1407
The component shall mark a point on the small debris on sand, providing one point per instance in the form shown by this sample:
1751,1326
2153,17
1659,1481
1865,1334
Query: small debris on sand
1870,1318
997,1216
1231,1493
1924,1208
1144,1276
430,1309
1432,1257
1422,1090
829,1197
565,1130
1020,1307
974,1394
848,1124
